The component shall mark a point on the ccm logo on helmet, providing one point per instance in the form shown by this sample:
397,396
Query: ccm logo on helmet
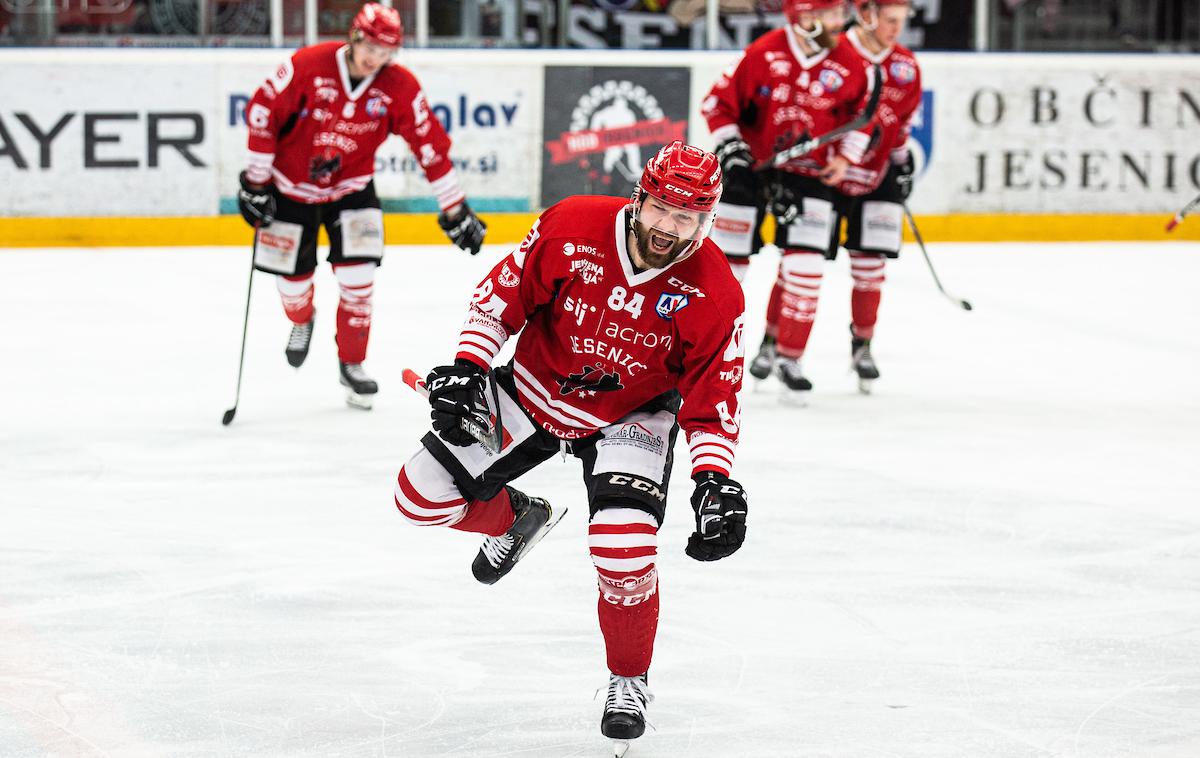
680,190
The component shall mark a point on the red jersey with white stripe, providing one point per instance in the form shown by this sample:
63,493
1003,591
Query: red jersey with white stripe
599,339
898,105
315,133
774,96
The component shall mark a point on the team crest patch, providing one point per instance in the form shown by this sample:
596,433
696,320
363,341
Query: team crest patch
375,107
669,303
832,80
902,72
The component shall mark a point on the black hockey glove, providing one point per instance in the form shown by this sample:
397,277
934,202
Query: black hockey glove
786,205
455,394
720,506
737,172
256,203
902,176
465,229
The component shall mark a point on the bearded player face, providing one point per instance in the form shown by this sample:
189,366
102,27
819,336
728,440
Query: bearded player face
663,232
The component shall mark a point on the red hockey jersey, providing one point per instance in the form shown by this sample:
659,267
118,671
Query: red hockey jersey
598,339
898,105
315,135
774,96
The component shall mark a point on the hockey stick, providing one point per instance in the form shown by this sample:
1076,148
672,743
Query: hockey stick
808,145
912,224
1183,213
227,419
490,434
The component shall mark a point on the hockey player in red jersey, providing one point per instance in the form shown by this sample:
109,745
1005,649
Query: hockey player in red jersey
872,194
629,327
789,85
315,126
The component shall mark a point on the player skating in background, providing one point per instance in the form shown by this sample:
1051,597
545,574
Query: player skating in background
315,126
624,310
871,196
789,85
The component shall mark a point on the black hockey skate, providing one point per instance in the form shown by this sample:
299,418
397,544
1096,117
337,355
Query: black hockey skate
624,716
796,385
498,555
360,388
863,362
298,342
760,367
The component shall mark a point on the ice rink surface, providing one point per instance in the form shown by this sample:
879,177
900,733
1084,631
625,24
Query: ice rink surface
997,554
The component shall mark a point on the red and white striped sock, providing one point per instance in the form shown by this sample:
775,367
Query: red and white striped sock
425,495
799,283
869,276
356,281
296,292
624,544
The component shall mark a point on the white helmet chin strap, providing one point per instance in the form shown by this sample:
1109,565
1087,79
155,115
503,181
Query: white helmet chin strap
811,36
862,22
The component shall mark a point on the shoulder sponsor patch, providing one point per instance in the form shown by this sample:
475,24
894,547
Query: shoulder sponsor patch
670,303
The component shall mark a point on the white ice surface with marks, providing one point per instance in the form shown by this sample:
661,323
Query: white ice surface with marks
997,554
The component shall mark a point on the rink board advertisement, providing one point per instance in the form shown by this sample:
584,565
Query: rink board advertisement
604,123
158,133
1061,134
489,113
77,140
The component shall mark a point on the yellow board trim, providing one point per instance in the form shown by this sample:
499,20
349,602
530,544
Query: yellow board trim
509,228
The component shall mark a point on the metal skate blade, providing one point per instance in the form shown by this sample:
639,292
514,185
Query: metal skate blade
620,747
361,402
865,385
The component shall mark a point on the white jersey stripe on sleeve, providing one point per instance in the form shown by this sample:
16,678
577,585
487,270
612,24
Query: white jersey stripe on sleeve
483,355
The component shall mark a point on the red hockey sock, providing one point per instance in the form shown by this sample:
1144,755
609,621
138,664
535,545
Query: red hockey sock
868,274
773,307
296,292
800,284
356,282
492,517
629,630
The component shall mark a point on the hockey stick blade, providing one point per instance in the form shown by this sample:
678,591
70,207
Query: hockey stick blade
227,419
1183,213
489,438
807,146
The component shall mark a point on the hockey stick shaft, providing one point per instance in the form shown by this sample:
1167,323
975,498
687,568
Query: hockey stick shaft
492,441
237,394
1183,213
912,224
807,146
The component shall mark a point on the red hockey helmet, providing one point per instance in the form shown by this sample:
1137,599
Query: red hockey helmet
793,8
862,5
681,177
378,24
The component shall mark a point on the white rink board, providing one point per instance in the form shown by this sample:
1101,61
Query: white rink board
1006,133
994,556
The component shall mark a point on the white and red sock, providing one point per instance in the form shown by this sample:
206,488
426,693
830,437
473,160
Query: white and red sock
868,272
799,286
296,292
624,544
356,282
